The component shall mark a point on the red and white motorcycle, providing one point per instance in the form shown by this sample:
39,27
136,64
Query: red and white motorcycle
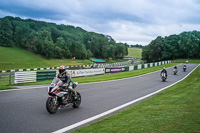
59,97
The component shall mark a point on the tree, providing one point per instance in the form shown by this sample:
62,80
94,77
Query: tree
89,54
57,41
184,45
6,33
46,46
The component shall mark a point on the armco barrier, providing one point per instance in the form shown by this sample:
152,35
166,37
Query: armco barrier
23,77
45,75
87,72
33,76
113,69
135,67
126,68
71,67
141,66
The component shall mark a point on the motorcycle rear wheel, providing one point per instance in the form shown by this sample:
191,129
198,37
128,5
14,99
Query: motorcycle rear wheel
50,106
163,79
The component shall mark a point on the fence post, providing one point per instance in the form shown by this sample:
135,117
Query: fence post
10,78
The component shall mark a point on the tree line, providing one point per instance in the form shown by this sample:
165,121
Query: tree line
58,41
136,46
184,45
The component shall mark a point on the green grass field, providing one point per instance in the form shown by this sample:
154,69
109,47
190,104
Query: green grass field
15,58
135,52
175,110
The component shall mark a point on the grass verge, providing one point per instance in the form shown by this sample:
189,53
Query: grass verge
175,110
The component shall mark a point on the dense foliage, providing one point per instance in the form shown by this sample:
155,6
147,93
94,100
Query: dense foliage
57,41
136,46
184,45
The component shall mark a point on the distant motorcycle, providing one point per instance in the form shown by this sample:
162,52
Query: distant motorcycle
184,68
163,77
58,98
175,71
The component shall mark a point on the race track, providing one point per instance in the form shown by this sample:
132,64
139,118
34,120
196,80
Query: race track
24,111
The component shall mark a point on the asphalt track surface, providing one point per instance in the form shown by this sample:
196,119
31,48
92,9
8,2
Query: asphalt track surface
24,111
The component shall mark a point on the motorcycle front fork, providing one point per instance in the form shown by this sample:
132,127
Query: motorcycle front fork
54,100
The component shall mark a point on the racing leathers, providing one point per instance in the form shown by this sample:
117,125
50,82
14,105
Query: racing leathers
65,78
164,71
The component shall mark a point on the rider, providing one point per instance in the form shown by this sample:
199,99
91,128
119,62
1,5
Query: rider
164,71
65,78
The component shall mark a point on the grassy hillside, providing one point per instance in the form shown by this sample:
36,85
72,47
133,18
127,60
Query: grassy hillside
16,58
135,52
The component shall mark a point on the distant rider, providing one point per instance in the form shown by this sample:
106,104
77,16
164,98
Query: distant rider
164,71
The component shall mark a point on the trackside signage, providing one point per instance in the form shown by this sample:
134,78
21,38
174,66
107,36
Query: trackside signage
87,72
115,69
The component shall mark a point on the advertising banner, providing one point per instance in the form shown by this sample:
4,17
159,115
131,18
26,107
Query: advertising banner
115,69
87,72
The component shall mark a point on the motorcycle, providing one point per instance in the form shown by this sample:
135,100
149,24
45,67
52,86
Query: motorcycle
163,77
175,71
184,68
61,98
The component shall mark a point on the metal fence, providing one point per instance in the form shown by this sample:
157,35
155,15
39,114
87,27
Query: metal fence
6,78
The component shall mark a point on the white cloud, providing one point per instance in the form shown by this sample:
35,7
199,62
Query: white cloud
135,22
136,33
3,14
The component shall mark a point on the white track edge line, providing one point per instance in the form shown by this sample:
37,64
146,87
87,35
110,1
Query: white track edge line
65,129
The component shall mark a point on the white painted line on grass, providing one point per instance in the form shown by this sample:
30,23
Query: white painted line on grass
65,129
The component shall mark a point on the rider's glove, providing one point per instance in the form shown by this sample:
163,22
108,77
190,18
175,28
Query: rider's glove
65,84
70,87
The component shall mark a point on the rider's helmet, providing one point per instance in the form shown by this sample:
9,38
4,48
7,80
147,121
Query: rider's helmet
62,69
163,67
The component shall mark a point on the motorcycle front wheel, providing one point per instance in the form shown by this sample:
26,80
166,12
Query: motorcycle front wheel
77,101
51,106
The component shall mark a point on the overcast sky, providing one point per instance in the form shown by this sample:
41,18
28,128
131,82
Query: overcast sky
130,21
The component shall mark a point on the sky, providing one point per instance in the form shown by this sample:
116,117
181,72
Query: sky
127,21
